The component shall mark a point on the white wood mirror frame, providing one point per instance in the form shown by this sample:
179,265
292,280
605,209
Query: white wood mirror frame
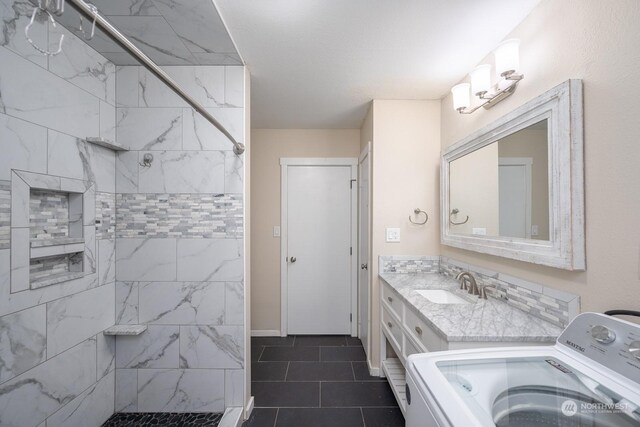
562,106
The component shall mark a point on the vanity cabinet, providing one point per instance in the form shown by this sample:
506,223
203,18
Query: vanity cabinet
405,331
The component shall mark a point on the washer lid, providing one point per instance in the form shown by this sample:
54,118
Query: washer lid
539,390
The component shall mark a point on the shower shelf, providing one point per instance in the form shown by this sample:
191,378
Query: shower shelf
125,330
106,143
57,247
41,243
56,278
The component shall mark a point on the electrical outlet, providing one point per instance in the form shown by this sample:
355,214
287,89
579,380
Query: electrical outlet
478,231
276,231
393,235
535,230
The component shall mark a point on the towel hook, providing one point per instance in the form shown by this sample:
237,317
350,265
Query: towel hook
39,7
418,211
455,212
94,10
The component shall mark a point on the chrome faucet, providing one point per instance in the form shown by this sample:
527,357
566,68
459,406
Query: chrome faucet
483,290
473,286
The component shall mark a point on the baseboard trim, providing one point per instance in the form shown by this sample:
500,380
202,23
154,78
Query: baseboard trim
249,409
374,372
265,333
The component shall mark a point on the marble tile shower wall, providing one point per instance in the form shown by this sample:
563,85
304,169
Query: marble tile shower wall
55,364
179,243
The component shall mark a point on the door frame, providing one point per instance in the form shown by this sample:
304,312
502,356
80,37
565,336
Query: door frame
527,162
285,162
365,154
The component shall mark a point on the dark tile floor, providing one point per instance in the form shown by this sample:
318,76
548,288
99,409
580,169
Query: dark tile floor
317,381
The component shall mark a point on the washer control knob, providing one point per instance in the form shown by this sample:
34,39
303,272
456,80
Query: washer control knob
634,349
602,334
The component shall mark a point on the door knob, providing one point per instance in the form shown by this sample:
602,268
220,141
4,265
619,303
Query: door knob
293,259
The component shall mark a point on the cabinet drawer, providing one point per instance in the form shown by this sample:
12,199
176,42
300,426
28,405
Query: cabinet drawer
422,333
392,326
392,301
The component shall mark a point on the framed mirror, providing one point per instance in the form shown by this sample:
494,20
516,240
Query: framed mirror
516,187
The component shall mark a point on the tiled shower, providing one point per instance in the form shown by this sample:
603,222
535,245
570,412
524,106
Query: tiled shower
92,237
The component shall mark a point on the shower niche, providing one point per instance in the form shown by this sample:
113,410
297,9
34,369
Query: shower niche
52,230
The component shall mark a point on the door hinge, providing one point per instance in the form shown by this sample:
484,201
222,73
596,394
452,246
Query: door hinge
351,250
350,317
351,183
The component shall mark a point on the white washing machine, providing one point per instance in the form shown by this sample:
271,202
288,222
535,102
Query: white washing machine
590,377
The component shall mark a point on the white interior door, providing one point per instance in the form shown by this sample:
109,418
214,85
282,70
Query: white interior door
363,249
515,197
319,260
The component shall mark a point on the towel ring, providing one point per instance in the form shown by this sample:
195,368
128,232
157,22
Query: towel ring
455,212
53,23
418,211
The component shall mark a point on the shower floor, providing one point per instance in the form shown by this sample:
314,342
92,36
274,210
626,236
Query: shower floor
163,419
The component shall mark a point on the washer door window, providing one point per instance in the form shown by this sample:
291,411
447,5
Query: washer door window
537,392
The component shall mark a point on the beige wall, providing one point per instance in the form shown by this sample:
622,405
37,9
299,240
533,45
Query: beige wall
267,147
405,176
366,131
597,41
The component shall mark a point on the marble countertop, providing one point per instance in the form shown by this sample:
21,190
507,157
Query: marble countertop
482,320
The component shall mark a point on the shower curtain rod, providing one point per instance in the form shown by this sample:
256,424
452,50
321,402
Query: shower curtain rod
131,48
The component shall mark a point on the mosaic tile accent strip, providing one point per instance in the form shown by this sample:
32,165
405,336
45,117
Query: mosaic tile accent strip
179,215
44,267
168,419
105,215
48,214
409,264
545,303
5,214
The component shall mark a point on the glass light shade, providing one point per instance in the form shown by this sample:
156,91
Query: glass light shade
481,79
507,57
461,97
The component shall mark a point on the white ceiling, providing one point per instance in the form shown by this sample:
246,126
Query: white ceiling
317,63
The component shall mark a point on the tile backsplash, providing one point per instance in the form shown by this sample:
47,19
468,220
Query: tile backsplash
409,264
551,305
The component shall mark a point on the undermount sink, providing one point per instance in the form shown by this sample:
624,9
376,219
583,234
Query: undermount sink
441,296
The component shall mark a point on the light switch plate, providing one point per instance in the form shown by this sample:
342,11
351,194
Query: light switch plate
393,235
276,231
535,230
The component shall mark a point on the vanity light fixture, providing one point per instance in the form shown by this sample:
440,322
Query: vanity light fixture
507,67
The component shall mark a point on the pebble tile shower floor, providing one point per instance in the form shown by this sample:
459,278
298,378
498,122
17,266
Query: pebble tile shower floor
163,420
317,381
